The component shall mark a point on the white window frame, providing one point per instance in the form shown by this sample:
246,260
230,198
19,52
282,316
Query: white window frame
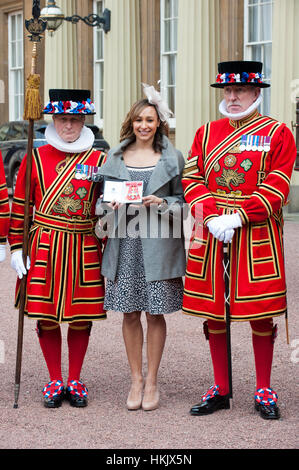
249,44
164,86
15,114
98,63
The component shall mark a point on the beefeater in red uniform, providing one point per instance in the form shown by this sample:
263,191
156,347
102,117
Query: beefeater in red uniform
236,181
64,283
4,212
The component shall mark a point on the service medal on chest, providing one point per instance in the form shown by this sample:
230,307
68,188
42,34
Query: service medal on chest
243,143
254,142
95,176
84,172
260,146
267,143
249,143
78,171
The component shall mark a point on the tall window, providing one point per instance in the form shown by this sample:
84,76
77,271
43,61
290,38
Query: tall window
169,35
258,40
99,65
15,66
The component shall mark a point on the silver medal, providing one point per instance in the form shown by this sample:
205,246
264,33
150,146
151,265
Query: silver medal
243,143
261,144
254,143
267,144
84,172
78,172
248,145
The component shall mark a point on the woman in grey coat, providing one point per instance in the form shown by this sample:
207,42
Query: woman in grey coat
143,263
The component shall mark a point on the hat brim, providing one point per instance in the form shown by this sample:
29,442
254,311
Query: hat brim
256,85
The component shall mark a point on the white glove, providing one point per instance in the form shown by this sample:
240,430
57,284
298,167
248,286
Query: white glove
227,236
222,227
213,226
17,263
224,222
2,252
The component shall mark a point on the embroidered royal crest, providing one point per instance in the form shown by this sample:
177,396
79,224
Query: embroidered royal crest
230,177
261,175
81,192
217,167
60,165
230,160
69,189
235,149
65,205
86,208
246,164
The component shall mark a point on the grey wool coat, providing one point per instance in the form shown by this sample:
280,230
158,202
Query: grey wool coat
164,256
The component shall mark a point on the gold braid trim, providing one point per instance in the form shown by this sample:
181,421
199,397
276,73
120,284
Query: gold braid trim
217,332
258,333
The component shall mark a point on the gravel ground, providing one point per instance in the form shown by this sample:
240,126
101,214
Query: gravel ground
184,374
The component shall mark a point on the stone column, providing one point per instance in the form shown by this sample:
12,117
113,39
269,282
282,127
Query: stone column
285,74
61,56
122,70
150,41
285,60
198,55
85,48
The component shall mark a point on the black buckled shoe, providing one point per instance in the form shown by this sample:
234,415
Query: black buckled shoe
265,403
77,393
54,394
210,402
267,411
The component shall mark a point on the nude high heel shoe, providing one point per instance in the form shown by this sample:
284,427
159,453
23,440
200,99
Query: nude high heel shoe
134,400
150,400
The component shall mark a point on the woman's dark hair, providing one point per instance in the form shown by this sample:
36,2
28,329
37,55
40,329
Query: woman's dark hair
127,132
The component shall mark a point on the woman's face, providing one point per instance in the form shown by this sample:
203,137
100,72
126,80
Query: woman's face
68,127
146,124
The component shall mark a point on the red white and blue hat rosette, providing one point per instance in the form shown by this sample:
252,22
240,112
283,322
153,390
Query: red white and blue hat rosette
240,72
64,101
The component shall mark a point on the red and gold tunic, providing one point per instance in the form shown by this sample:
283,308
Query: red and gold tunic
220,178
64,282
4,205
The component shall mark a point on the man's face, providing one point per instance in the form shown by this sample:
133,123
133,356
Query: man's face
68,127
239,98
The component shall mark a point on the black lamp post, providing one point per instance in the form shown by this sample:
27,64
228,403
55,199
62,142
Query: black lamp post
54,17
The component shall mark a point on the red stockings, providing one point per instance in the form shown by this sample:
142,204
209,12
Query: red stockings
49,334
263,335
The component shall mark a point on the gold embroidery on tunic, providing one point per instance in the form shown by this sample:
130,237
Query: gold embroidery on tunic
64,205
230,160
229,177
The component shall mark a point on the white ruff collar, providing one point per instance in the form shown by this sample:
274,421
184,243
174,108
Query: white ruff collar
83,143
237,116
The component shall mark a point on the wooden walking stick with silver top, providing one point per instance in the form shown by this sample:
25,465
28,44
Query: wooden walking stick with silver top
32,111
226,276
